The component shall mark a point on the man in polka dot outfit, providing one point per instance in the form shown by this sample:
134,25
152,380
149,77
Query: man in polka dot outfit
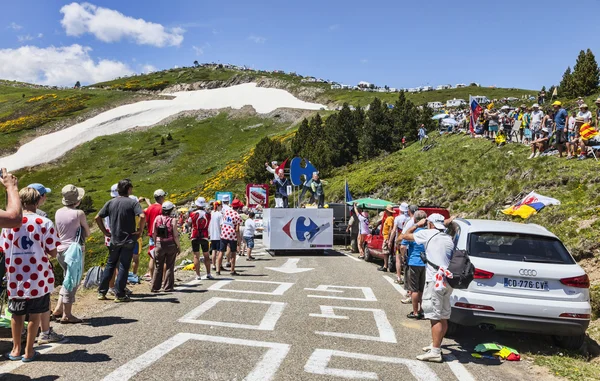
30,278
230,223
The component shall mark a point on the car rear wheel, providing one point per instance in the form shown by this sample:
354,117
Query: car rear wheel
452,328
368,256
570,342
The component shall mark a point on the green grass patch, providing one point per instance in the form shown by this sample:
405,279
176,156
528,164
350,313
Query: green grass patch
475,179
25,109
575,368
180,166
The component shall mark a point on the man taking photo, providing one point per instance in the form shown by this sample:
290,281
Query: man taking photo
121,212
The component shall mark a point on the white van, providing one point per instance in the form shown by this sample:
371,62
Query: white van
455,102
435,105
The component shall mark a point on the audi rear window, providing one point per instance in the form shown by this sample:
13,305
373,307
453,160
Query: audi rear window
518,247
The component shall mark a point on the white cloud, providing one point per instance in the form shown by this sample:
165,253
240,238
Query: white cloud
40,35
257,39
334,27
14,26
199,51
109,25
149,69
25,38
58,65
364,61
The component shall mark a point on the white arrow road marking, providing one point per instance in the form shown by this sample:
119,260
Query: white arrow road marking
282,287
290,267
367,292
386,332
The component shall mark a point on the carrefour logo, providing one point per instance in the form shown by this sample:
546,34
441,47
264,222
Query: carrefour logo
304,229
24,243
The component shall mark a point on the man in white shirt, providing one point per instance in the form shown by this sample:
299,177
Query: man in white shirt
537,116
399,222
585,113
214,232
249,232
439,247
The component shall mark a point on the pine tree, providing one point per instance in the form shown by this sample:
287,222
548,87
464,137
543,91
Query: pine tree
265,151
169,137
566,85
316,130
154,152
543,88
301,137
162,140
87,205
367,143
345,136
590,75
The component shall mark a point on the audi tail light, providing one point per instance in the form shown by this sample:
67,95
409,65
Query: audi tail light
471,306
581,281
575,316
482,274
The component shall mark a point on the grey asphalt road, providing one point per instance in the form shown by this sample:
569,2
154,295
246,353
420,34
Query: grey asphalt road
339,320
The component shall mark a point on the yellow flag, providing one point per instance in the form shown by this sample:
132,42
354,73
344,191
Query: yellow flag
555,92
490,106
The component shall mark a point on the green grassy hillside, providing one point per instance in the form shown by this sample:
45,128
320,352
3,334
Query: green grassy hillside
26,111
473,178
202,157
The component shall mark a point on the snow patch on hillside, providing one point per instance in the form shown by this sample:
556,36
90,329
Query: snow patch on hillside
147,113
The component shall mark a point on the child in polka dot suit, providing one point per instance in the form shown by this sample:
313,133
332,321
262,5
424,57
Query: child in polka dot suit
30,278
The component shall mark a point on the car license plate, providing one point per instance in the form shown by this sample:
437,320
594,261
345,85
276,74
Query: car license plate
528,284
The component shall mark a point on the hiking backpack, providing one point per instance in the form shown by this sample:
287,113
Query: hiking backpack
460,266
164,227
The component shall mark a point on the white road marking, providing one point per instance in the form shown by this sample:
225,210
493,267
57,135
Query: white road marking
290,267
11,366
396,286
367,291
320,358
187,285
351,256
327,312
264,370
459,370
386,331
267,323
280,290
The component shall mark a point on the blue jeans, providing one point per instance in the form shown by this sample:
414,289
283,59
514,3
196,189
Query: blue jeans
118,256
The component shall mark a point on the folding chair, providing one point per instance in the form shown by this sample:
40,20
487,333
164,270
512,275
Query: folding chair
515,131
594,149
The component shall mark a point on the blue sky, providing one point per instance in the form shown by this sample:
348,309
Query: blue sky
396,43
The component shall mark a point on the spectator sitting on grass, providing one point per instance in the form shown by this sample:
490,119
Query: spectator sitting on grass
588,137
539,145
573,140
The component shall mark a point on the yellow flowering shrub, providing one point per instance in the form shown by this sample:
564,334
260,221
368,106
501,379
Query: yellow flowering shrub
41,98
44,114
234,171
